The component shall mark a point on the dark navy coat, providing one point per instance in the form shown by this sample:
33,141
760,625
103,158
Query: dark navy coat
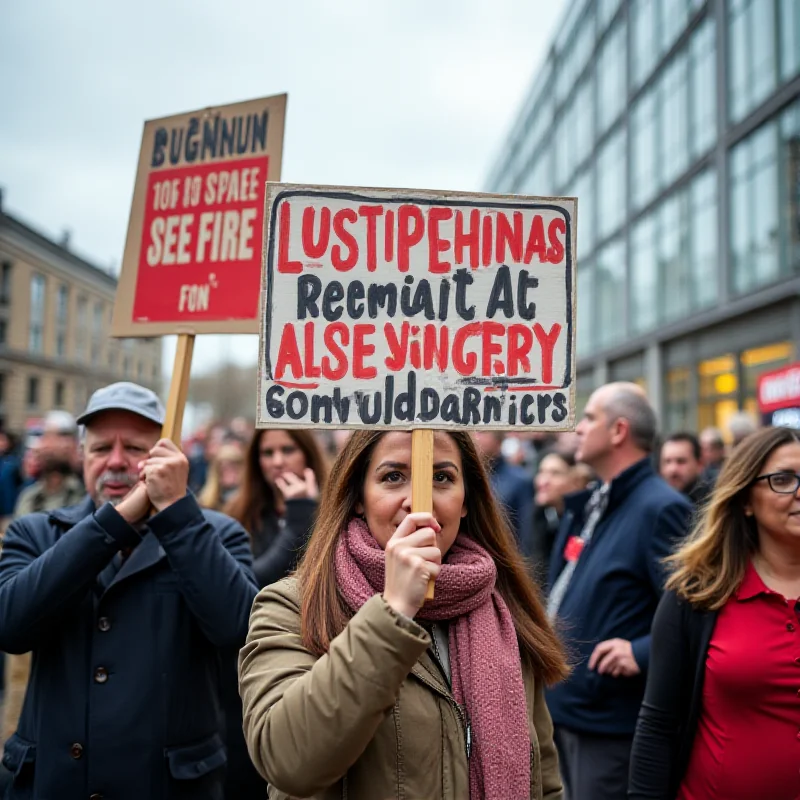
123,699
614,593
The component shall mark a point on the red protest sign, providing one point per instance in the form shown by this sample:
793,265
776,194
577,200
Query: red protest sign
193,254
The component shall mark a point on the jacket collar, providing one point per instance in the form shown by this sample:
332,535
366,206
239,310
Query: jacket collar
621,486
72,515
147,553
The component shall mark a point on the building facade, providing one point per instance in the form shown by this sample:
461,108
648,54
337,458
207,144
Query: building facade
676,124
55,318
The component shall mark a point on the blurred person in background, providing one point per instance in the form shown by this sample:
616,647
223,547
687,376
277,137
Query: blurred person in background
57,485
681,467
558,476
606,578
284,472
207,444
741,425
10,475
720,717
512,486
712,451
224,476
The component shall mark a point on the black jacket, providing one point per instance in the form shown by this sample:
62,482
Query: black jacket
673,698
279,541
123,698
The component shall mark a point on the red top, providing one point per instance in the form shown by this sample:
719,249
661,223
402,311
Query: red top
747,745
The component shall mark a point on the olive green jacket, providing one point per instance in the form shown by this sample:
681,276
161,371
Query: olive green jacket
372,719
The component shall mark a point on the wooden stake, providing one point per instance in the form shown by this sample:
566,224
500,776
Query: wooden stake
178,389
422,478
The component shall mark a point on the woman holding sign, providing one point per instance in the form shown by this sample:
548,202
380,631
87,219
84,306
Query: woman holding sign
353,685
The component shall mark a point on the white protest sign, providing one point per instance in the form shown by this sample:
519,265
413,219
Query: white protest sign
389,308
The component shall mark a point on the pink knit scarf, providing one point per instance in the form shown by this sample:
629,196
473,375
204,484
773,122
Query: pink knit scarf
484,653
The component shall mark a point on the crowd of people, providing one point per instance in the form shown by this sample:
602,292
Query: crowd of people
613,614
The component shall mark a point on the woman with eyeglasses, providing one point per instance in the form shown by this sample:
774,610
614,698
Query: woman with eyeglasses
721,713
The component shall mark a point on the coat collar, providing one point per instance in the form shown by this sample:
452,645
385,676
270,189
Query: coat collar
621,487
147,553
72,515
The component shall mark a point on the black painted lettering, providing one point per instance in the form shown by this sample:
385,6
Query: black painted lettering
381,296
502,294
463,279
274,405
405,404
429,404
308,291
355,300
542,402
559,407
333,294
297,405
526,281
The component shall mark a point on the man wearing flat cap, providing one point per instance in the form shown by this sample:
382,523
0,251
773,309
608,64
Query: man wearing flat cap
125,601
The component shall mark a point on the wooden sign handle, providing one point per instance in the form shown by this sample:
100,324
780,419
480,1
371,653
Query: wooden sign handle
178,389
422,478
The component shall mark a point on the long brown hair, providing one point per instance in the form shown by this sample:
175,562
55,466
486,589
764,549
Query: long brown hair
257,497
323,613
710,565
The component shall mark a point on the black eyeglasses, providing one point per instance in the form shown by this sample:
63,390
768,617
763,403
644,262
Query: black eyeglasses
782,482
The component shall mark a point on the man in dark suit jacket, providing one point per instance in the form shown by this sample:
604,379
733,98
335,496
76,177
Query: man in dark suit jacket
125,614
606,578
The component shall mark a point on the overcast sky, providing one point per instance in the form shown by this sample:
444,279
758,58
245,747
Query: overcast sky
418,94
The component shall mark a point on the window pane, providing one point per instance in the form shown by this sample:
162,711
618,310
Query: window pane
586,341
583,189
674,123
790,38
584,120
703,119
606,11
754,209
752,59
703,239
610,294
611,185
611,87
539,178
674,16
644,39
643,164
565,145
644,275
789,173
673,256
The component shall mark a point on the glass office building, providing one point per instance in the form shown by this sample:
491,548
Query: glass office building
676,123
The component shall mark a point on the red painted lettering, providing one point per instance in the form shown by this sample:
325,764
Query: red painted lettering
490,347
346,238
536,243
556,250
362,350
388,238
547,341
508,237
435,244
406,237
435,351
311,369
465,363
284,265
288,354
487,241
311,248
397,347
520,342
330,372
371,214
471,239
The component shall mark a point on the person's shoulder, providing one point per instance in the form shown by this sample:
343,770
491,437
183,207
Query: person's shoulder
279,603
658,494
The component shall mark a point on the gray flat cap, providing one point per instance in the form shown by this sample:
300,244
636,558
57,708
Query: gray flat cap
125,396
